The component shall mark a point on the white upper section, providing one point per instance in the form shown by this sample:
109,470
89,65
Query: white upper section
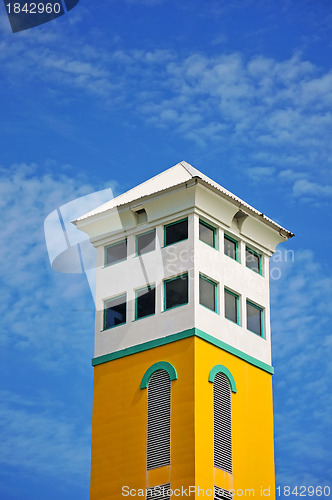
182,192
190,256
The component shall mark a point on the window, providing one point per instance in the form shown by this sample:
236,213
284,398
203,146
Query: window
145,302
176,231
254,318
161,492
230,247
222,423
116,252
253,260
115,311
221,494
207,233
231,306
159,420
207,293
176,291
146,242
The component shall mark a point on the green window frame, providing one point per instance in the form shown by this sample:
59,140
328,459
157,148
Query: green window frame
260,331
145,234
252,252
237,304
138,295
167,226
183,276
160,365
215,298
119,308
232,240
106,263
225,371
214,232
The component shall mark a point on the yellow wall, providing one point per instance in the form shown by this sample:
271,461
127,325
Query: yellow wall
119,423
252,424
118,452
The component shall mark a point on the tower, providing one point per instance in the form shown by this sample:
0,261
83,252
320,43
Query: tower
182,394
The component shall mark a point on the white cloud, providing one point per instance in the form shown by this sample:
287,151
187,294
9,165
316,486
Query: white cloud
260,173
40,439
277,111
289,175
43,313
47,325
295,182
303,187
262,93
301,339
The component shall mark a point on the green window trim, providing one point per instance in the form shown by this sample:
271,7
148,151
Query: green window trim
111,245
160,365
172,224
215,293
226,290
147,287
142,234
233,240
172,279
222,369
214,229
260,258
261,319
105,308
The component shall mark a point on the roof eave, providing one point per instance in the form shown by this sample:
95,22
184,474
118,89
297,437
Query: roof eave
245,207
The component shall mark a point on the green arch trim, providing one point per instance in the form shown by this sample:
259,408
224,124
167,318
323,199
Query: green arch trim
222,369
161,365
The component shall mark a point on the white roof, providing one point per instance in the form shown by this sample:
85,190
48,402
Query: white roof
181,172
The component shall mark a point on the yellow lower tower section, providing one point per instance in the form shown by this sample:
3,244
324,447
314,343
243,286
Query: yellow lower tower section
119,425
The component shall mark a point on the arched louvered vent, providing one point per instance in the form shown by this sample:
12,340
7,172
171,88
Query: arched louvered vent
161,492
222,423
159,420
221,494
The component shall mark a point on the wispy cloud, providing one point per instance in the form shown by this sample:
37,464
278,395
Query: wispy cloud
40,439
296,183
303,187
46,321
32,293
276,112
302,344
256,173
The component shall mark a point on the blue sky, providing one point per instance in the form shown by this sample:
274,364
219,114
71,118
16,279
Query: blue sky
108,96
